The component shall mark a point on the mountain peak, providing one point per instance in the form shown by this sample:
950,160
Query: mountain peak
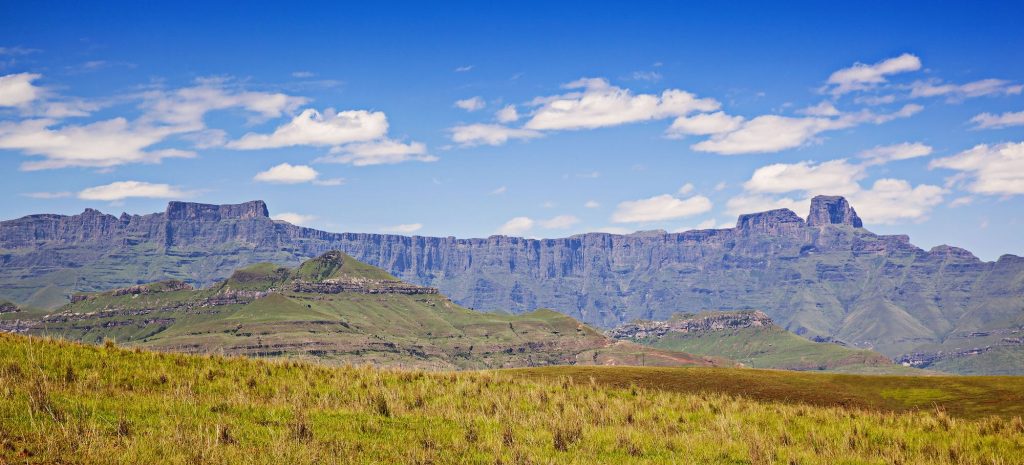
202,211
832,209
335,264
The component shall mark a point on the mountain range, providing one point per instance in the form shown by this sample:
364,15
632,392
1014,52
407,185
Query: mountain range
824,276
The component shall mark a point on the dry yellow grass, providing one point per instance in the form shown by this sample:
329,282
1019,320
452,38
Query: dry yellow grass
68,403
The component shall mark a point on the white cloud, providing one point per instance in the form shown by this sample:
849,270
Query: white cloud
989,169
378,152
835,176
773,133
96,145
46,195
463,69
659,208
862,76
314,128
471,104
887,201
16,90
685,189
958,92
883,154
591,204
303,74
704,124
961,201
126,189
821,109
990,121
489,134
649,76
516,226
507,114
721,185
294,218
768,133
500,190
560,222
599,104
185,108
894,200
287,174
403,228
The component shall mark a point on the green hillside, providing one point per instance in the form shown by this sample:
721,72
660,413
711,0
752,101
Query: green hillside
336,310
63,402
752,339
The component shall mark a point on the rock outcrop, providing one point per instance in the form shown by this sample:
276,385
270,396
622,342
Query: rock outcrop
703,323
825,276
827,209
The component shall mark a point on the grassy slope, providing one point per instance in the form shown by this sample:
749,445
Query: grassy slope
422,331
88,404
774,347
964,396
1001,360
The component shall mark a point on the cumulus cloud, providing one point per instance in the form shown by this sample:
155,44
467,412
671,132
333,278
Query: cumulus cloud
895,200
773,133
597,103
957,92
471,104
489,134
127,189
837,176
403,228
988,169
883,154
685,189
378,152
704,124
991,121
508,114
821,109
591,204
516,226
314,128
294,218
886,201
862,76
186,107
96,145
560,222
660,208
17,90
287,174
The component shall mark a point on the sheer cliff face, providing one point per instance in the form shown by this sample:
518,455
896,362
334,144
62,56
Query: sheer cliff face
824,276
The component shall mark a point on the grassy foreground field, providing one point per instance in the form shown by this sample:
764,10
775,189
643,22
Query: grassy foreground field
64,402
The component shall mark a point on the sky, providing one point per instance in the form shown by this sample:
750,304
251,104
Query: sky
519,118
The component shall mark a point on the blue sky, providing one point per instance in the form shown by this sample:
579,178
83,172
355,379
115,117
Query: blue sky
534,120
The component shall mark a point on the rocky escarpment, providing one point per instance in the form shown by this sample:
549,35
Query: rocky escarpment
822,276
703,323
360,286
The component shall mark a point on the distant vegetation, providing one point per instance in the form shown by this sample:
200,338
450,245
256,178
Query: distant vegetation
753,339
335,309
63,402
